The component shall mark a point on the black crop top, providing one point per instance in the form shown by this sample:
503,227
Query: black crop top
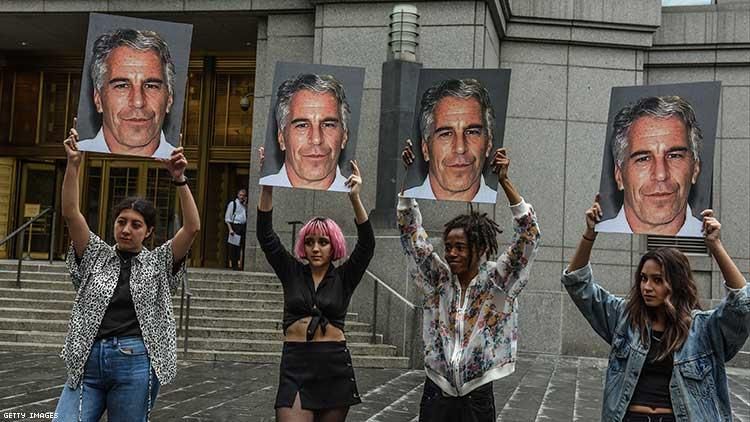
652,389
330,302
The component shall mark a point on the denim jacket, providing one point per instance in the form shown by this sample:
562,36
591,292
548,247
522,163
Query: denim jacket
698,387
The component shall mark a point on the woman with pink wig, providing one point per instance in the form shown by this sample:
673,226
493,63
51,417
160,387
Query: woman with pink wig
316,378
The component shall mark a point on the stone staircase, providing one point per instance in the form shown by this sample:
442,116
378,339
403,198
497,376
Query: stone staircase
234,316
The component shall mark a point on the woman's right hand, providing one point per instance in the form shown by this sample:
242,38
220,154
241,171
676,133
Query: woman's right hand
71,146
407,155
593,215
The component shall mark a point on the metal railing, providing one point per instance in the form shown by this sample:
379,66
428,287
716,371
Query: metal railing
185,293
377,282
20,230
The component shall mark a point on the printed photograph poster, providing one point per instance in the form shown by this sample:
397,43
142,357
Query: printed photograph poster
313,124
133,86
657,165
459,123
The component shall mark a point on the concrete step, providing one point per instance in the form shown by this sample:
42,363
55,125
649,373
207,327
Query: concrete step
33,266
216,312
37,276
238,294
38,294
358,361
268,286
38,284
251,323
266,334
230,303
36,314
24,324
32,337
12,302
243,345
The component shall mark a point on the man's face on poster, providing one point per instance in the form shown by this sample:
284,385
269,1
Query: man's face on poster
657,173
312,139
133,100
457,148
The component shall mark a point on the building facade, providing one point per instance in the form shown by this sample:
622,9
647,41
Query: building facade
565,56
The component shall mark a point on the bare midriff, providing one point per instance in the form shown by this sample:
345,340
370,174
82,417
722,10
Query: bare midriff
298,332
637,408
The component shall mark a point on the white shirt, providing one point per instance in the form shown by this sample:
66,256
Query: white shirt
691,228
236,214
485,193
98,144
282,179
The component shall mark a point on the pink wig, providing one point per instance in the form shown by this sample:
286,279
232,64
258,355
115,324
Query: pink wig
326,227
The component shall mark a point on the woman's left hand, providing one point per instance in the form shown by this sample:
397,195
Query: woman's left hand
354,182
711,227
176,164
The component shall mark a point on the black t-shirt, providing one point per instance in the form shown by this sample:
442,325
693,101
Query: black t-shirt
120,319
652,389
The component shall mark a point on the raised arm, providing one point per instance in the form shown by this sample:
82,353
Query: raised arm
731,319
354,267
191,223
582,255
430,269
598,306
354,183
513,266
77,226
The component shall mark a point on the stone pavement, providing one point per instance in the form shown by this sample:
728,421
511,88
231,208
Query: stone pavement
543,388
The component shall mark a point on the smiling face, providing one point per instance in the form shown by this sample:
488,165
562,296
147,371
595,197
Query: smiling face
131,230
133,100
312,139
457,148
318,250
457,254
656,175
654,286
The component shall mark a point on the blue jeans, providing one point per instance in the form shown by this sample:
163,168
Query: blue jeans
118,377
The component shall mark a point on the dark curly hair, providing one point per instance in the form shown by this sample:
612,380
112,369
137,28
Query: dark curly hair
481,232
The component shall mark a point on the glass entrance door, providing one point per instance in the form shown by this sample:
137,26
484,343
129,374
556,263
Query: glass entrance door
38,188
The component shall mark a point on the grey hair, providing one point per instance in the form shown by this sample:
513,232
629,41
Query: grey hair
659,108
459,88
137,40
320,84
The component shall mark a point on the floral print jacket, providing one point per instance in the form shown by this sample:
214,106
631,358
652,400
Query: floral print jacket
472,343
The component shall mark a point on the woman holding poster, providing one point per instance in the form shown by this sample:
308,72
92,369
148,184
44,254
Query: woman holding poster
121,343
316,378
668,356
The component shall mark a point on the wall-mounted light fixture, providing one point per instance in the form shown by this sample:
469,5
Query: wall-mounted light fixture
403,38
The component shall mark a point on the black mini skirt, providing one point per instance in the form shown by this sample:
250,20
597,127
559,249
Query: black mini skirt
321,372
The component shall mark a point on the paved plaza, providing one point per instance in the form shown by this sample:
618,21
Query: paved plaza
543,388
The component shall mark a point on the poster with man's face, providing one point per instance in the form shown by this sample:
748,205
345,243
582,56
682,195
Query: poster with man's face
312,126
133,86
459,123
657,168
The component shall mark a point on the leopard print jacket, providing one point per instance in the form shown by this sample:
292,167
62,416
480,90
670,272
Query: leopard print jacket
152,283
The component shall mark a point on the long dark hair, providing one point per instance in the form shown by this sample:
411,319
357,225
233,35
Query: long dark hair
681,300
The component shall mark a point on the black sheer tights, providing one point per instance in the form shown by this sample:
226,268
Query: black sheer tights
297,414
